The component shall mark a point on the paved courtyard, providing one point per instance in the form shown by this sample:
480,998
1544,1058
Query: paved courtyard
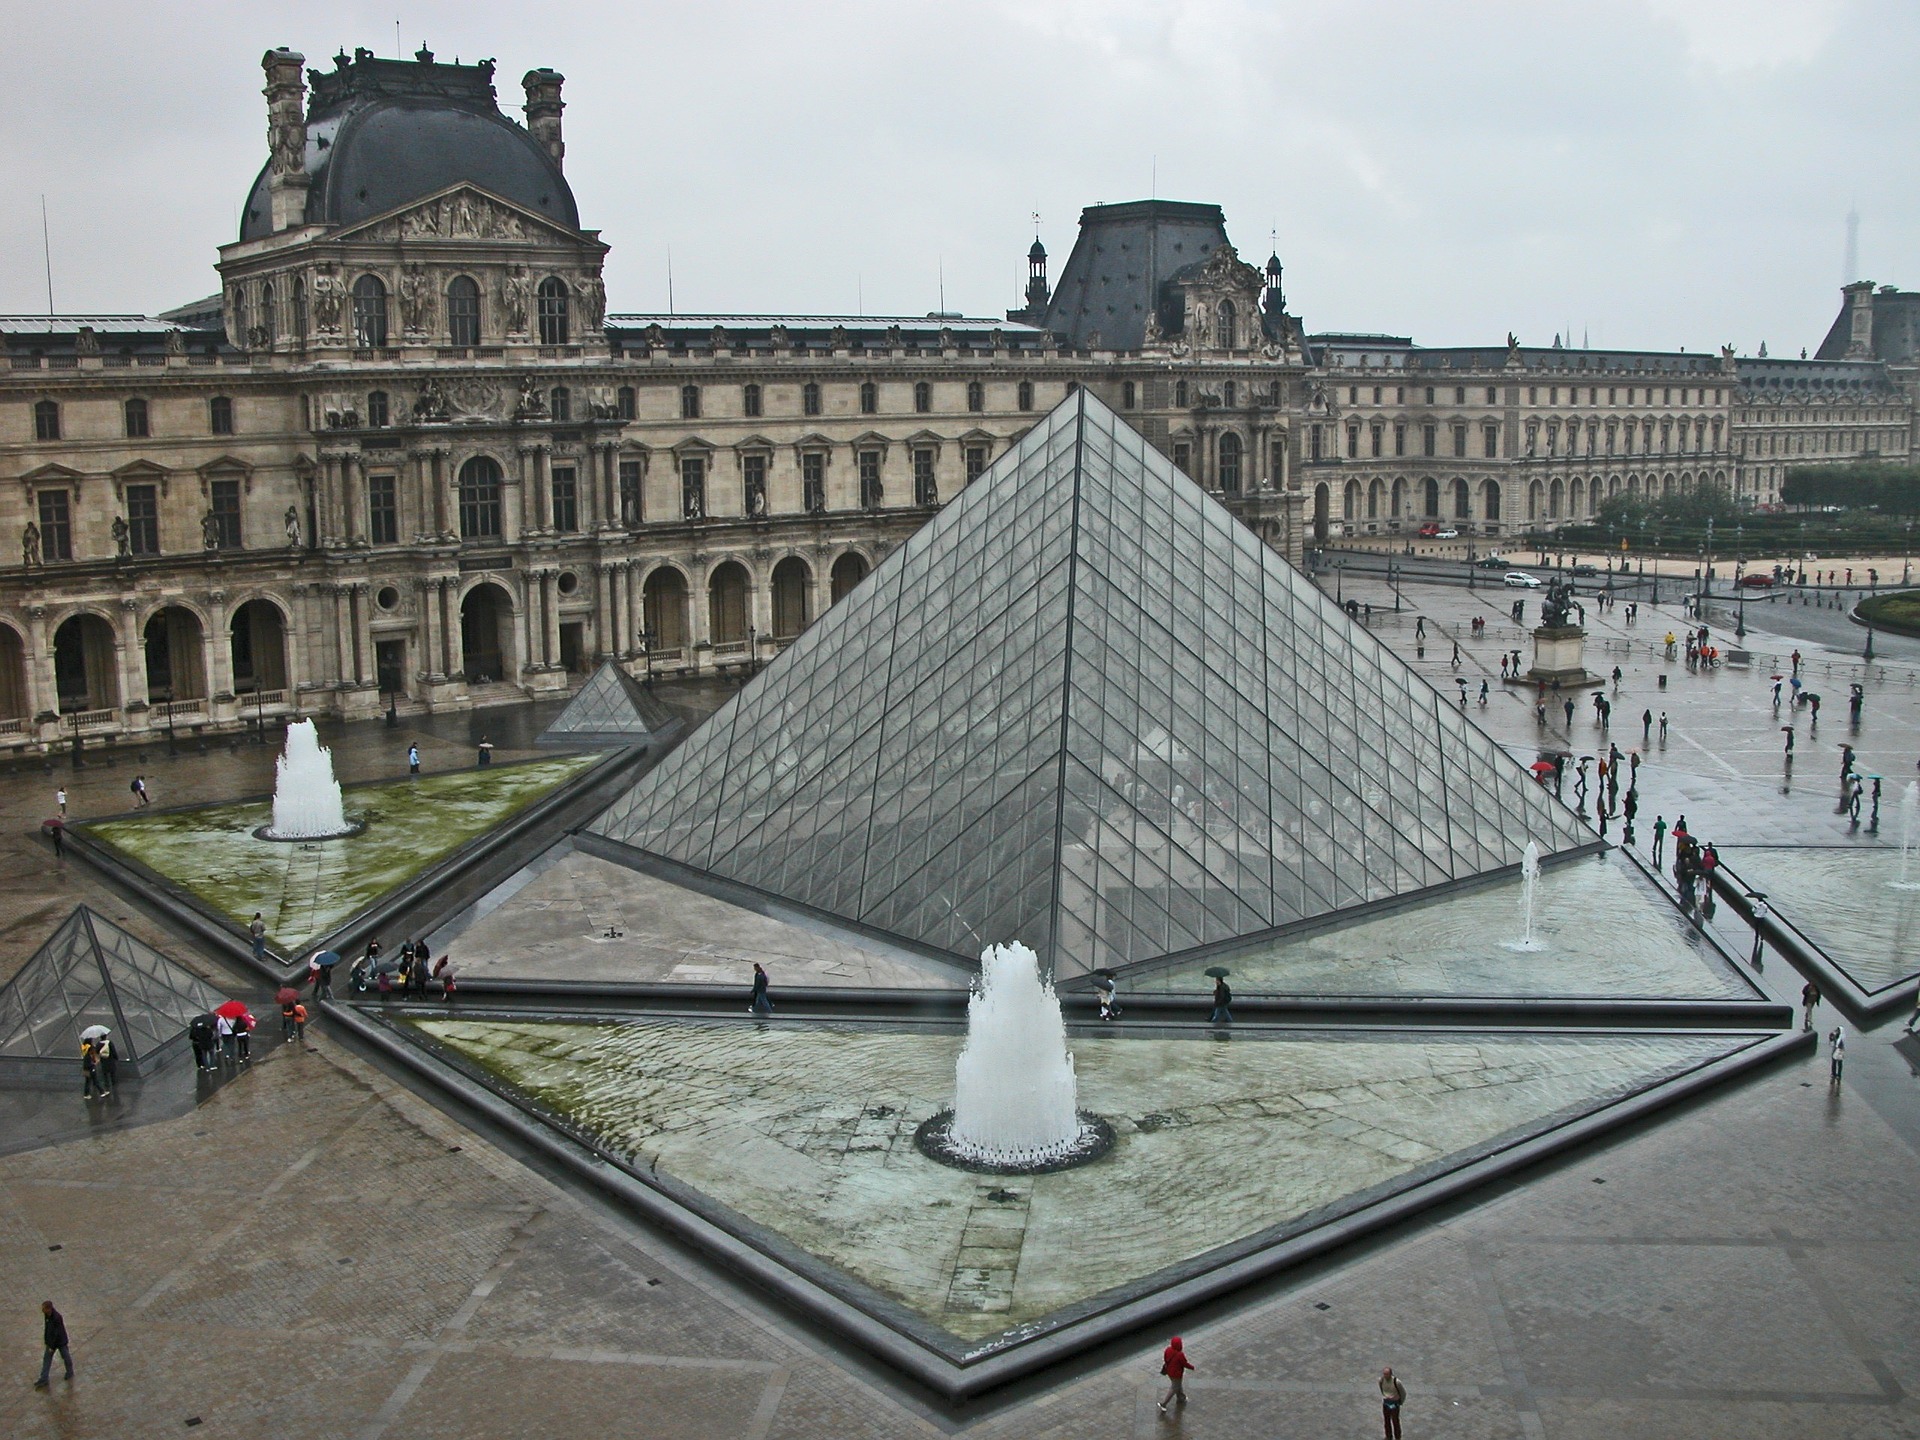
312,1248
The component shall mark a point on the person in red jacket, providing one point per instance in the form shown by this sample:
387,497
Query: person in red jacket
1174,1364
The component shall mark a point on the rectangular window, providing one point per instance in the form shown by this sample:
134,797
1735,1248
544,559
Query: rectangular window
143,520
753,477
220,415
225,495
1491,435
1353,442
629,492
1313,443
56,525
1460,440
1378,440
1428,434
813,482
1183,454
1126,396
566,498
1493,395
693,487
977,461
1459,394
1399,439
1429,394
926,490
383,510
872,492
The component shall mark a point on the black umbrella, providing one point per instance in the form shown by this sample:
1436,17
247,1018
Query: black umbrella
1104,973
1218,972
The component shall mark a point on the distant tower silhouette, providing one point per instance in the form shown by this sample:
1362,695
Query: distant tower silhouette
1037,277
1274,300
1852,262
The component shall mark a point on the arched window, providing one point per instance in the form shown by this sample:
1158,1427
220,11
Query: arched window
976,396
810,398
922,397
689,402
555,322
560,404
220,415
46,420
269,314
1230,463
1490,499
1024,396
136,416
750,400
1350,501
479,489
629,403
1228,322
869,397
369,313
378,413
463,312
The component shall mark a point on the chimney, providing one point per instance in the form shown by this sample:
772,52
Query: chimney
1860,314
287,177
543,110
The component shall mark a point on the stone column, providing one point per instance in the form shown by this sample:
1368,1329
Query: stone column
513,500
636,607
326,506
43,688
416,506
542,508
603,639
219,647
550,607
530,626
428,591
353,492
453,653
442,501
297,644
132,657
363,632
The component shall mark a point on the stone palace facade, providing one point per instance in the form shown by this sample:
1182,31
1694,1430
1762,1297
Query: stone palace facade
406,456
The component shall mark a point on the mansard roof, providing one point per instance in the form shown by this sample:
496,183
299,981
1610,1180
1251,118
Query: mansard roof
1121,259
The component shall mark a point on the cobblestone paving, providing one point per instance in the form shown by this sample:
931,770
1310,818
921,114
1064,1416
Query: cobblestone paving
808,1131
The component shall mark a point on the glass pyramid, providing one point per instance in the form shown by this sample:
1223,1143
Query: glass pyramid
1087,709
612,708
91,972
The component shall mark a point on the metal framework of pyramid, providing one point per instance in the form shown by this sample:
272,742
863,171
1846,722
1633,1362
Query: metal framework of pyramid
612,708
1087,709
91,972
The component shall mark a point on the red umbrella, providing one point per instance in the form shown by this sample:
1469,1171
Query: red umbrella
233,1010
287,996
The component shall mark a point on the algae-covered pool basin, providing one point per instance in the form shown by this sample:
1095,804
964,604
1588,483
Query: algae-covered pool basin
307,890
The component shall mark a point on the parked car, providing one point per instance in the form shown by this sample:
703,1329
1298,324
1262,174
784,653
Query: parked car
1584,570
1430,530
1520,580
1758,582
1446,534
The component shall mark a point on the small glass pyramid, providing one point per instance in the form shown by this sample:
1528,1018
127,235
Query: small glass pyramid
612,708
1087,709
91,972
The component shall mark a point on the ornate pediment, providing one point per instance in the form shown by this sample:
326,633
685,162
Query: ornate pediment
461,212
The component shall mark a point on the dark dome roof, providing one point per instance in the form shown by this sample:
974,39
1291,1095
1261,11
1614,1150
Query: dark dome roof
381,133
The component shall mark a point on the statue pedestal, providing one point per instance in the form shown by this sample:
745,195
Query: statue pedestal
1559,657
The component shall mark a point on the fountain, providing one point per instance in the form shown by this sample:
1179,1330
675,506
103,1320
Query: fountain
1529,884
306,798
1014,1104
1909,814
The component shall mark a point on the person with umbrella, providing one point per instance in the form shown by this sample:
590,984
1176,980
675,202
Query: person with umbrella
288,999
102,1039
201,1032
1222,996
90,1083
235,1025
56,831
1107,986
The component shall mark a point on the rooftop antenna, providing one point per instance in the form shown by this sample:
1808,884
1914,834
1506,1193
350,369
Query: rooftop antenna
860,294
1153,186
669,282
1852,262
46,251
396,41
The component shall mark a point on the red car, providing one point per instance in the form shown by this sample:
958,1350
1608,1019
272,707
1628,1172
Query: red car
1758,582
1430,529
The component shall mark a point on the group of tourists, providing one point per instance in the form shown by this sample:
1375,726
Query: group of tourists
412,975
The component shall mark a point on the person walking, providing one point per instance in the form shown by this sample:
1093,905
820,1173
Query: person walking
1483,694
413,760
90,1083
109,1064
140,791
758,1004
486,751
1174,1364
1456,654
1809,1002
1663,727
200,1031
1914,1019
1789,751
1107,988
60,799
1392,1396
1836,1054
53,1335
57,833
1222,999
1659,839
257,928
288,1021
299,1021
1568,707
1646,726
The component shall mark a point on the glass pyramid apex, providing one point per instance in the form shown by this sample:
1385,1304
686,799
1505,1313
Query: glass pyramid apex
1086,708
612,708
92,972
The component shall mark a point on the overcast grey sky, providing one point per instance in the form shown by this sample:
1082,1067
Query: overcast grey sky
1662,173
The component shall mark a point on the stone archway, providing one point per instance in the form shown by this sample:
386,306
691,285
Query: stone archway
848,571
727,590
665,613
259,642
792,588
176,655
1430,498
1322,502
486,635
14,701
84,673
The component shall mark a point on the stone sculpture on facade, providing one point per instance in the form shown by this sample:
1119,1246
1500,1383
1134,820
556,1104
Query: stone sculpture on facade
30,546
122,537
209,531
292,522
416,300
515,291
